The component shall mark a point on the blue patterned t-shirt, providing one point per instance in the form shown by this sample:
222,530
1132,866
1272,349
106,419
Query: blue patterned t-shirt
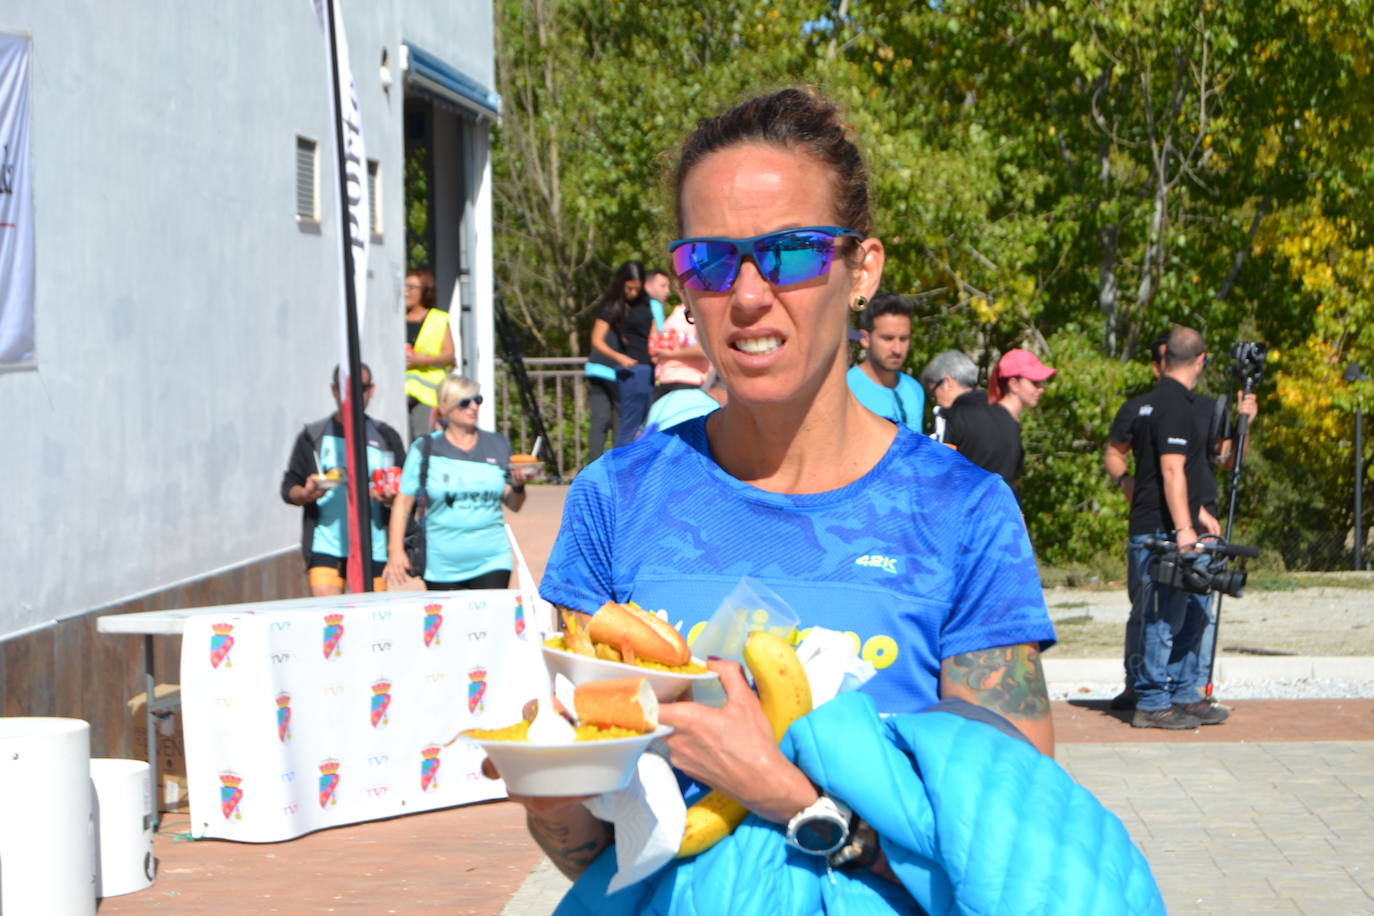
923,558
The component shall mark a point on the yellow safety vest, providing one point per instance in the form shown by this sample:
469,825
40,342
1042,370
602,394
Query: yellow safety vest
422,382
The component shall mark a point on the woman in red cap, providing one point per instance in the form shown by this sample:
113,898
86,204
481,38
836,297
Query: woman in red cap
1016,382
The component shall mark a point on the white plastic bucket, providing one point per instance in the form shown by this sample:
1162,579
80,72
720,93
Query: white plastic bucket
47,845
123,827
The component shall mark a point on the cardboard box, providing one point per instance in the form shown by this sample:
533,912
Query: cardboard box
170,768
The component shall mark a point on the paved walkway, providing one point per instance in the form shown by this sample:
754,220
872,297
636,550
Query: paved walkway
1228,828
1272,812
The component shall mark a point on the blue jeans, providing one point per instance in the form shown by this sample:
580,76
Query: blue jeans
636,391
1203,605
1162,636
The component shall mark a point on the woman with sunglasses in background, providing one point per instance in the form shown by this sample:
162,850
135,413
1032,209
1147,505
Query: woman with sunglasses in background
466,483
861,525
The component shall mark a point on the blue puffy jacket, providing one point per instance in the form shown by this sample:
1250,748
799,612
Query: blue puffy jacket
972,821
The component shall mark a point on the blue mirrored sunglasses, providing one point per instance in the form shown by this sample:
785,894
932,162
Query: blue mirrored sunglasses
782,258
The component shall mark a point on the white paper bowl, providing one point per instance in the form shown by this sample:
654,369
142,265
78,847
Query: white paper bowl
579,768
582,669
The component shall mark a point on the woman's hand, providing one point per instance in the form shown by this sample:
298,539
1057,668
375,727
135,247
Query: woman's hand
397,572
377,495
306,493
733,749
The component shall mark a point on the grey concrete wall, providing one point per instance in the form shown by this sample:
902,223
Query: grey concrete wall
185,324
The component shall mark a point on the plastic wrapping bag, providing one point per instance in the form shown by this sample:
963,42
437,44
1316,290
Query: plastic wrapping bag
750,606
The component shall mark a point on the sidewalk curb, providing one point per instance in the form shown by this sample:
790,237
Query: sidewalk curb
1268,668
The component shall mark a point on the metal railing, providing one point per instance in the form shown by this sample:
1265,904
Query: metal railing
562,396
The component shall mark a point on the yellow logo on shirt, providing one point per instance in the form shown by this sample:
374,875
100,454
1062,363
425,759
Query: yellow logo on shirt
880,651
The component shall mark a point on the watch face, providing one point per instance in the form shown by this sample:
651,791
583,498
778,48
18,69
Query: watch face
819,835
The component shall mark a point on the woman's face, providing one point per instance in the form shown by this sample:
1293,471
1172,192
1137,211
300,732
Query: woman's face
1029,392
414,291
463,412
631,289
772,344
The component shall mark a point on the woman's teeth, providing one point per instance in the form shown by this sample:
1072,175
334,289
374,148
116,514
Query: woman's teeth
758,345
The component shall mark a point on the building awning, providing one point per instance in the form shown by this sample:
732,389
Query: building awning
433,76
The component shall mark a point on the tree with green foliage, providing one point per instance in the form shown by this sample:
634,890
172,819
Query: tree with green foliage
1073,177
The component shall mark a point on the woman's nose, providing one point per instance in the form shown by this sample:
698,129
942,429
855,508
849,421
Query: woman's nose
751,290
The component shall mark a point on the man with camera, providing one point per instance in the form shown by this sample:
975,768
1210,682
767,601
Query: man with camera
1170,441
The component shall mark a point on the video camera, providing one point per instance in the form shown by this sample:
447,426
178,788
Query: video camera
1178,570
1248,364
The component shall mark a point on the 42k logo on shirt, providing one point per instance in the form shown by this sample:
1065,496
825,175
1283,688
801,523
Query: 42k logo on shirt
878,561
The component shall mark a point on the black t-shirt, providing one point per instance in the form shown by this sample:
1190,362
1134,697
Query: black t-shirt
986,434
607,314
629,335
1170,426
1202,481
638,325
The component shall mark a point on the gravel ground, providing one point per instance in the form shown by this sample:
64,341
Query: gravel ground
1335,620
1305,621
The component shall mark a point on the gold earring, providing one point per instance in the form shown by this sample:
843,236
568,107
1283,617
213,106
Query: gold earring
860,302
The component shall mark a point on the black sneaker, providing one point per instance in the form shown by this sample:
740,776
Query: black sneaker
1206,712
1124,700
1172,717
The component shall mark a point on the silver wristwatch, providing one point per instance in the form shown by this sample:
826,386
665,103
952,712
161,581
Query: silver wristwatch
820,828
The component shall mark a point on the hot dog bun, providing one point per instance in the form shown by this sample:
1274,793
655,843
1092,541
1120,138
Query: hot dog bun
523,459
652,638
622,702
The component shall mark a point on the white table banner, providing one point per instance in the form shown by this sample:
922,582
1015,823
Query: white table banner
301,719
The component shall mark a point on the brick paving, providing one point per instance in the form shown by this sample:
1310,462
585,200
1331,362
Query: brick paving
1272,812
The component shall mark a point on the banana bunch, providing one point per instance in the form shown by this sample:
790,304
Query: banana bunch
785,695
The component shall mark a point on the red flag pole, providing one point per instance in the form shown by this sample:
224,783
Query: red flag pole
355,434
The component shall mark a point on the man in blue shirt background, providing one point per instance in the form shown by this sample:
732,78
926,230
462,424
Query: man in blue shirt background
878,381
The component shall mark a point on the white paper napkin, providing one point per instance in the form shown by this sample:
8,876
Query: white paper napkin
649,817
649,814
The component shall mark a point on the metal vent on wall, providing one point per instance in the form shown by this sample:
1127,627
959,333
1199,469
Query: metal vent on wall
307,180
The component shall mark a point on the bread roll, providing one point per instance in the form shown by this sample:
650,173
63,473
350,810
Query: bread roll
622,702
653,639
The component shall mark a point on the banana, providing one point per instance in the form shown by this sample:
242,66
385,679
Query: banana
785,695
784,691
710,820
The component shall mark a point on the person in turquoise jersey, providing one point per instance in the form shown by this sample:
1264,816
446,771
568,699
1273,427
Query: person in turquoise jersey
467,483
879,382
308,483
859,524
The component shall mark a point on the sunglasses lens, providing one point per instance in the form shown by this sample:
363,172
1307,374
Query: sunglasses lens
794,257
706,265
465,403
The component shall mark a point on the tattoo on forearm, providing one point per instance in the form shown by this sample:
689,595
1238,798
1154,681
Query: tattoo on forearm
1008,680
570,854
